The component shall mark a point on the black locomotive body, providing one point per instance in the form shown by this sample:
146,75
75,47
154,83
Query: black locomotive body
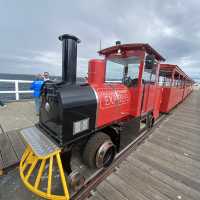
68,111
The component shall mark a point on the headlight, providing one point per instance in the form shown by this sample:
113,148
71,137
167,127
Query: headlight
47,107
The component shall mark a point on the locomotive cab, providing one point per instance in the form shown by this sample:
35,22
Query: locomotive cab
98,118
139,68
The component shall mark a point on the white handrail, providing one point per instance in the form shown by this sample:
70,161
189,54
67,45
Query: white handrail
16,91
12,81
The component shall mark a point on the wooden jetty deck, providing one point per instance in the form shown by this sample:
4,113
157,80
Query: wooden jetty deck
11,150
166,166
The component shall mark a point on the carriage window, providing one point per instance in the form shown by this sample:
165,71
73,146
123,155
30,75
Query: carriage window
164,80
176,82
161,80
167,81
182,83
149,75
118,69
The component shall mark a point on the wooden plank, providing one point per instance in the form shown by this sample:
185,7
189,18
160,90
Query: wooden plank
188,122
184,133
141,186
172,162
180,133
169,171
158,185
186,111
183,124
185,139
96,196
17,143
109,192
127,190
177,142
181,127
181,116
7,152
176,148
170,155
1,165
163,177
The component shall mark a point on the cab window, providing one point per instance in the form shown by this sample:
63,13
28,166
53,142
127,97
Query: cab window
122,69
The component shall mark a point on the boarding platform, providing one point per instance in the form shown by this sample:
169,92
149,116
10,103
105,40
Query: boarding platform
14,117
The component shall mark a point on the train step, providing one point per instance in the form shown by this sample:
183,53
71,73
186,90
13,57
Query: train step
40,158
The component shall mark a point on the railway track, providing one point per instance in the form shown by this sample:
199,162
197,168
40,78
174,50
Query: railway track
101,174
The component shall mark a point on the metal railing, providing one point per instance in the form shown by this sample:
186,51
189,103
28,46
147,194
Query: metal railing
17,91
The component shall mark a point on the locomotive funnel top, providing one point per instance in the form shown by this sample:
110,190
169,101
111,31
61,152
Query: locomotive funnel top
69,58
67,36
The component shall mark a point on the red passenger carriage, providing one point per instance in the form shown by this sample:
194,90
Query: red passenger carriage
176,86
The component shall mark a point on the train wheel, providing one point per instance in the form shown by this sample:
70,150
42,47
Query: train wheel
99,151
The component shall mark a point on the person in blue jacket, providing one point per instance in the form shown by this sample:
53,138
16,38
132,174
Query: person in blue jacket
36,87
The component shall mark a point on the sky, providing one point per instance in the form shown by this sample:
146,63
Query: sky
29,31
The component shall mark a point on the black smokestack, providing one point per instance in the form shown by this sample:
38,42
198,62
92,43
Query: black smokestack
69,57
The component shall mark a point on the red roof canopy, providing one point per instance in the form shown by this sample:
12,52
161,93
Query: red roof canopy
170,67
134,46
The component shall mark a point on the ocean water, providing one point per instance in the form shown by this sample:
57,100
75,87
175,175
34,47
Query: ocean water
11,86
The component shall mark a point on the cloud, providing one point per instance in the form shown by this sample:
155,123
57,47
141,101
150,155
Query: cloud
30,30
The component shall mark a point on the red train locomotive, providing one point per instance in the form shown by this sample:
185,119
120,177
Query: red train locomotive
98,119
